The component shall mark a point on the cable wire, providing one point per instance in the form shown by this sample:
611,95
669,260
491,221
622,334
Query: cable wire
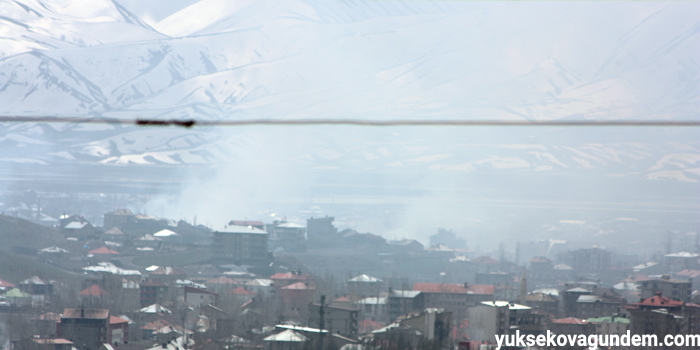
189,123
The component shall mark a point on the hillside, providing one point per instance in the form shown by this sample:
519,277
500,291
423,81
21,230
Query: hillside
18,238
15,232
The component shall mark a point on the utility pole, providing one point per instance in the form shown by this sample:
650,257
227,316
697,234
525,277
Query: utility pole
322,312
184,330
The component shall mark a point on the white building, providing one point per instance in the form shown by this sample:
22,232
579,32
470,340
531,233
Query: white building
501,317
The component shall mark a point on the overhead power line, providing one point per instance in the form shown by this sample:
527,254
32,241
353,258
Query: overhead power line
188,123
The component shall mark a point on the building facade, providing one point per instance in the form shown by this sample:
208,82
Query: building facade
336,320
88,329
241,244
670,288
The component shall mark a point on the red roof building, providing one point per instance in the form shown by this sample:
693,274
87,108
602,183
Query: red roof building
297,295
571,325
88,327
241,294
660,315
483,289
299,286
104,251
97,314
284,279
94,290
116,320
118,330
657,301
5,285
222,284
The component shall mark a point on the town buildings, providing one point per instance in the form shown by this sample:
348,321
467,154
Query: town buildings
232,287
287,236
338,320
365,286
590,260
241,244
455,297
88,329
676,289
489,318
321,230
661,315
402,302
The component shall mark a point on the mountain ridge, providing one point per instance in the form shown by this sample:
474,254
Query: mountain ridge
309,59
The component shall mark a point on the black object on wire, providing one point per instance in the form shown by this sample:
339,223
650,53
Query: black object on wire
188,123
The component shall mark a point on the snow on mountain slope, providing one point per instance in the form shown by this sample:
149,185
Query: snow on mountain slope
38,84
447,75
374,59
462,62
27,25
124,73
213,16
432,80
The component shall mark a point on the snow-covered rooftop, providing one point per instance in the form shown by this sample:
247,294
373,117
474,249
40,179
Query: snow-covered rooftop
287,336
364,278
242,229
510,305
75,225
110,268
155,309
165,233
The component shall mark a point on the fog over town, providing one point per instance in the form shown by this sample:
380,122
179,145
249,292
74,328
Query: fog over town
325,236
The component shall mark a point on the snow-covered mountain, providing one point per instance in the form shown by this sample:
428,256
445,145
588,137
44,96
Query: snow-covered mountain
31,25
368,59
